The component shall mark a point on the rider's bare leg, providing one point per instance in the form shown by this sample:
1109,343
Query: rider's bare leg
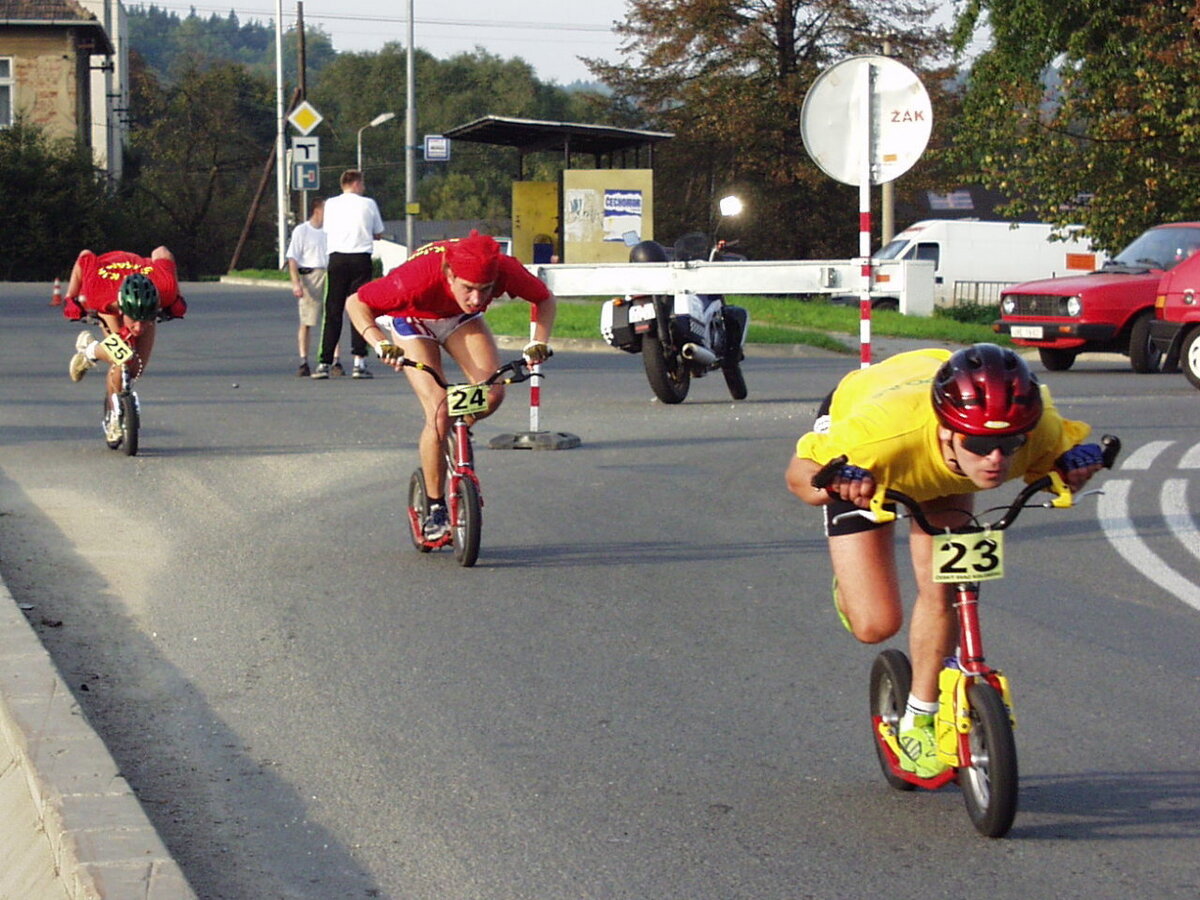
433,402
144,345
933,632
474,349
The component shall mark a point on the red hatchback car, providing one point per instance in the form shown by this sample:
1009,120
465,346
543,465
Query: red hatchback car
1110,309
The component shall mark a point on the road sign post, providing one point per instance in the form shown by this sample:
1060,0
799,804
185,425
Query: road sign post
866,120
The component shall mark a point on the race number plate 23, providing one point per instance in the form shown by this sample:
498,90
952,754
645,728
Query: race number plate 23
118,351
968,557
467,399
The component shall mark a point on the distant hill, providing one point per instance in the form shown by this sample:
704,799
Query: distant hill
166,42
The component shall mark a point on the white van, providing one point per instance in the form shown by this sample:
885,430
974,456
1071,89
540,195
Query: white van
973,261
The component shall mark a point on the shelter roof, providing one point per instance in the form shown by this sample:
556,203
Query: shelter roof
532,135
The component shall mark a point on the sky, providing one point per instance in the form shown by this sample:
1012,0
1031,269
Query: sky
547,34
550,35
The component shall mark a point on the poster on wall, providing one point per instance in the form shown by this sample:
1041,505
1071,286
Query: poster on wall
622,215
583,215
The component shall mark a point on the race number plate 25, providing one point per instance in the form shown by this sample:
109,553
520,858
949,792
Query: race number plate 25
467,399
968,557
118,351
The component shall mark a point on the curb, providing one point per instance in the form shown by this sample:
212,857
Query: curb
72,827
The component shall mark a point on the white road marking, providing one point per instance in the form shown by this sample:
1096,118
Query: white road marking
1145,455
1113,512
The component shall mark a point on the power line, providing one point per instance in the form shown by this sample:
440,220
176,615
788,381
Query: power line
455,23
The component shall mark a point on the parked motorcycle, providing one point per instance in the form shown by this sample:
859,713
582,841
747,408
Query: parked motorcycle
684,336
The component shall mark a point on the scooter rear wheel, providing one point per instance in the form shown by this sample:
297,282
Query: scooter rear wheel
891,679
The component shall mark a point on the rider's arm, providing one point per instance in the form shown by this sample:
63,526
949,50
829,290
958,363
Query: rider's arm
547,310
362,317
294,271
849,483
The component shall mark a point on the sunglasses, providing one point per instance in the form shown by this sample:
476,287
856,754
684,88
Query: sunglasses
983,444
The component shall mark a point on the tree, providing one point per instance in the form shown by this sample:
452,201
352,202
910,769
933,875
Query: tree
1086,112
728,78
55,203
198,151
477,183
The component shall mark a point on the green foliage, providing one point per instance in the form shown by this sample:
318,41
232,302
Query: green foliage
773,320
477,183
977,313
170,45
728,78
55,204
1086,112
197,156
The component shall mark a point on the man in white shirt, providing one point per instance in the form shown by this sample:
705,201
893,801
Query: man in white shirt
307,259
352,224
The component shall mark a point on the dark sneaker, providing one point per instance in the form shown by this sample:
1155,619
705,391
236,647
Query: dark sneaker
437,522
337,369
322,371
304,371
362,372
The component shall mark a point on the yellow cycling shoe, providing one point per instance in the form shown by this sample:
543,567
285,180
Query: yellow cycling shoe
918,747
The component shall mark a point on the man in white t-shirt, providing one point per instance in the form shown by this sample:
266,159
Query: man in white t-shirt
352,224
307,259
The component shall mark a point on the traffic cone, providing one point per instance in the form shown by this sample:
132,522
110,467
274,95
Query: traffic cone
57,299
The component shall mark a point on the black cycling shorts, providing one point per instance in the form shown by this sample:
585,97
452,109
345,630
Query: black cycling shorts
850,524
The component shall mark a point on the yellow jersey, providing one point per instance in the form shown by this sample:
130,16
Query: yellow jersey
882,419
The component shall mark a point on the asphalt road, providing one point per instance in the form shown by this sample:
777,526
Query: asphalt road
640,691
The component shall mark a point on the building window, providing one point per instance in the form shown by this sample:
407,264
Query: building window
6,91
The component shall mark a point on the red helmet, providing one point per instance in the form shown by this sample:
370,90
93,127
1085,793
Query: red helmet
986,389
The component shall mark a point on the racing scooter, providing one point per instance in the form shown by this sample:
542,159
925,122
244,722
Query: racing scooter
684,336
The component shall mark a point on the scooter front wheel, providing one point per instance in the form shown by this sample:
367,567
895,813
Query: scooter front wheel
467,515
989,783
130,423
891,679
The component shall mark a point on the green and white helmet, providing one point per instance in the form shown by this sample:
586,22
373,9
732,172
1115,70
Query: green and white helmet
138,298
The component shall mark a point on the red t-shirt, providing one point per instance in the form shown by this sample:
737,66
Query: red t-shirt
102,277
420,290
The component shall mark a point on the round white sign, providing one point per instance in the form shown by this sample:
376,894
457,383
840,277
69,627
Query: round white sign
833,127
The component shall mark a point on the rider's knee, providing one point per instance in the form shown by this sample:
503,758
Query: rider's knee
873,631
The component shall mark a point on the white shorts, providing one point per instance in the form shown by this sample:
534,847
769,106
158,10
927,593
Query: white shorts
409,327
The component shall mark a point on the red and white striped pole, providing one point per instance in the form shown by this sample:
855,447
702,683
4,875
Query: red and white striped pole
864,221
57,298
535,383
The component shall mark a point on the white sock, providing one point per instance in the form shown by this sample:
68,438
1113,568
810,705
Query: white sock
90,350
916,707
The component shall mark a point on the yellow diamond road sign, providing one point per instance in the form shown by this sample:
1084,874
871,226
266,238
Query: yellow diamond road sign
304,117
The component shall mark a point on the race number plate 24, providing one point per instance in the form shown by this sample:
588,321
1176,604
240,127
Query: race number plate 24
968,557
118,351
467,399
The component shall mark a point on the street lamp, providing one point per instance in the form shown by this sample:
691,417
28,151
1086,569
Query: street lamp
378,120
729,206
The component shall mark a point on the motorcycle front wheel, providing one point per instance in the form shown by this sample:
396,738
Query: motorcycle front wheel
667,372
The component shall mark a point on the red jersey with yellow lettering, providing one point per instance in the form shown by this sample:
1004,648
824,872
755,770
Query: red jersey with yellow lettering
102,277
418,288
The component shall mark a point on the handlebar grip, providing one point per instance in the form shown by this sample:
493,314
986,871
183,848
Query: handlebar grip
1110,446
827,472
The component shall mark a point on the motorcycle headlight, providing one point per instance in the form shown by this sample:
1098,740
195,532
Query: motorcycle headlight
1074,306
1008,306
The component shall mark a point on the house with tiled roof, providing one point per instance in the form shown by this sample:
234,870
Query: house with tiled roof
63,67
